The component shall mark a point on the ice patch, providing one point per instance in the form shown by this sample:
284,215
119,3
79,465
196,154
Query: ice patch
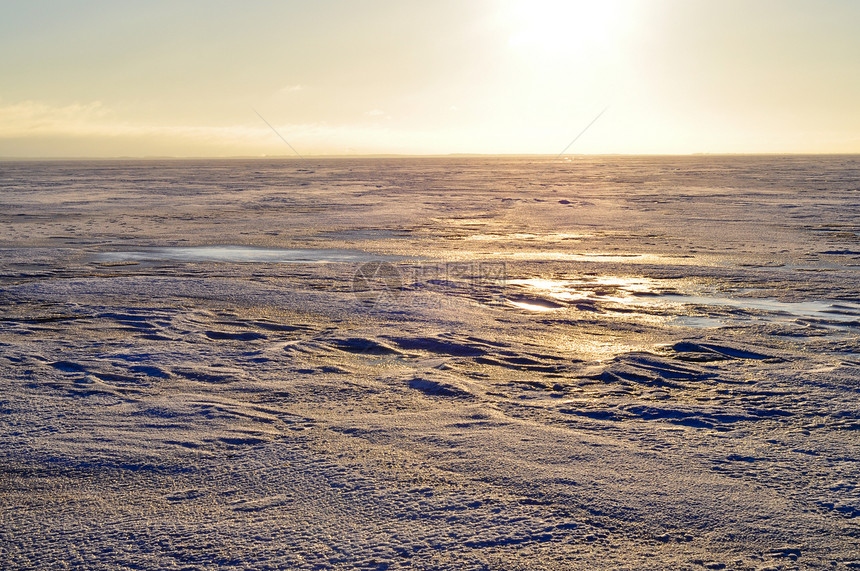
697,321
822,312
654,297
239,254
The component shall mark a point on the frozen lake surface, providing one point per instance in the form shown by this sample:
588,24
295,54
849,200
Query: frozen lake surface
472,363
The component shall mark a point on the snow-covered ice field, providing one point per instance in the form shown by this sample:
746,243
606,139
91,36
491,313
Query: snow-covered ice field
458,363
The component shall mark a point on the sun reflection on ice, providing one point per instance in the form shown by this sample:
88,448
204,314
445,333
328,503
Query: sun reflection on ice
552,237
626,290
533,306
598,350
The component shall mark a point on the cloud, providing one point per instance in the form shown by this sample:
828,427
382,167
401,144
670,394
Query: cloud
31,118
378,113
287,89
32,128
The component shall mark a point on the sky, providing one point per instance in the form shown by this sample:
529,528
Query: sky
217,78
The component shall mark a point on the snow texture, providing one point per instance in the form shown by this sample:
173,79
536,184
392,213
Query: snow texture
482,363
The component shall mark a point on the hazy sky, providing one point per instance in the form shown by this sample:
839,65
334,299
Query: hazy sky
91,78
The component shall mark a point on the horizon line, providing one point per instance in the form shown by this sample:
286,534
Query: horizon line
410,156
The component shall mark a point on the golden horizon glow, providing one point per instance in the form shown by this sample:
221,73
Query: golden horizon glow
385,77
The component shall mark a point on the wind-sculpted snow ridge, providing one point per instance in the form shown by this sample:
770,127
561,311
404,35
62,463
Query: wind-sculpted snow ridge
626,363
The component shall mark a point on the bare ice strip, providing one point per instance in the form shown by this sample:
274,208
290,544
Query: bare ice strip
240,254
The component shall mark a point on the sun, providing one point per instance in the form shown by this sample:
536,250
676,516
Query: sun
567,27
